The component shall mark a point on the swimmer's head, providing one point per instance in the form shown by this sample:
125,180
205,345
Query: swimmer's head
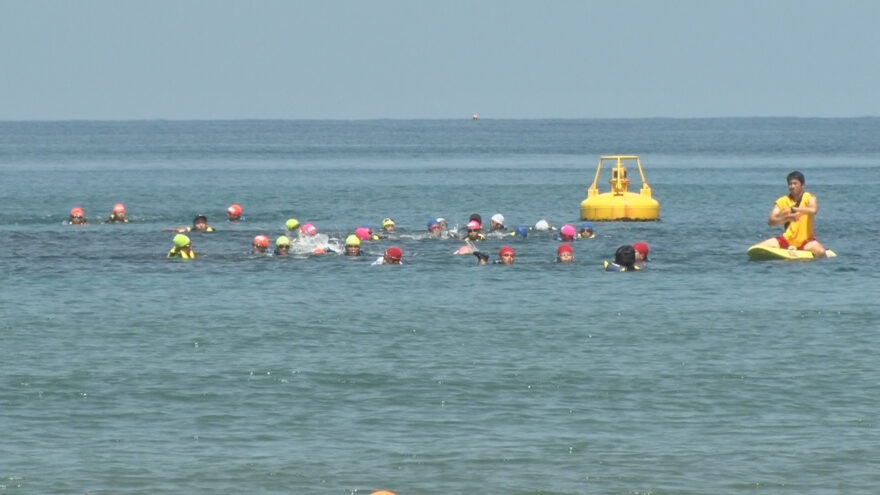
282,240
200,222
309,229
363,233
625,256
641,250
261,242
119,208
352,240
180,241
564,253
388,224
292,224
233,213
542,225
568,231
506,255
393,255
522,231
497,220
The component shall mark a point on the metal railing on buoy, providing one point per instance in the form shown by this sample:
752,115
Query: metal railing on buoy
619,203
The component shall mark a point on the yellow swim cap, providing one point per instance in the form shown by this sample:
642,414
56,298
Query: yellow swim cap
292,223
352,240
282,240
180,241
386,222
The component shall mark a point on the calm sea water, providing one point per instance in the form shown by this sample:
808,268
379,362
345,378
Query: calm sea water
123,372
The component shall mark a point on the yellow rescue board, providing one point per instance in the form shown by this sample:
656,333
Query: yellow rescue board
764,253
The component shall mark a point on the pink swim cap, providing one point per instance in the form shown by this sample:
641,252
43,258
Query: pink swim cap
567,229
119,208
473,224
309,229
362,233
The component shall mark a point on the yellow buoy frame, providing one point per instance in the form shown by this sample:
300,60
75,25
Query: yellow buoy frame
619,203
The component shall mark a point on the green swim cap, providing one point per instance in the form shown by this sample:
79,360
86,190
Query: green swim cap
282,241
180,241
352,240
292,223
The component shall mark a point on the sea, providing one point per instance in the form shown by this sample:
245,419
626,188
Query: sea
124,372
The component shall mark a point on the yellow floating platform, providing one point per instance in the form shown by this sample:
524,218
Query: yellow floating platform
619,203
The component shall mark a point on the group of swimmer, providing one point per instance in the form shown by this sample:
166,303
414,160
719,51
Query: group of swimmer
627,258
795,211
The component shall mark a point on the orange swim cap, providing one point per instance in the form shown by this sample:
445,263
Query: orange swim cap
383,492
234,209
76,211
261,241
119,208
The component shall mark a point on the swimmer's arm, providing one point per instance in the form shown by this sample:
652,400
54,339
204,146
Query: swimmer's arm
810,209
779,216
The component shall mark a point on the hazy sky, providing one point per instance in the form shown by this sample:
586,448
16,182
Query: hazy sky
360,59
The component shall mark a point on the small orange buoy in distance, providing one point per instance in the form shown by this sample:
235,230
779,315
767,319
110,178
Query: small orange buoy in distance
383,492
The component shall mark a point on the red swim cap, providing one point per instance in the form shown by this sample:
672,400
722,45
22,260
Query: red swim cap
564,248
394,252
234,209
504,250
119,208
473,224
76,211
261,241
642,248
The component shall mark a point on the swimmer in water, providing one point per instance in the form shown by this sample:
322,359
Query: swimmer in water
352,246
233,213
118,214
364,233
282,245
520,231
392,256
564,253
388,225
77,216
292,225
182,248
542,225
586,231
434,229
566,233
506,256
496,223
200,224
261,244
641,249
474,231
624,260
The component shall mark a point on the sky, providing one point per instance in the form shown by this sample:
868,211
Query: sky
438,59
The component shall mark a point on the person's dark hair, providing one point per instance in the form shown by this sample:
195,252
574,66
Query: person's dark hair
795,175
477,217
625,256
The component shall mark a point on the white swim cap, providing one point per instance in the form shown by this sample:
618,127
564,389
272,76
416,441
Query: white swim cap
542,225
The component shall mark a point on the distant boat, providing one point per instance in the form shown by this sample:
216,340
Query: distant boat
476,116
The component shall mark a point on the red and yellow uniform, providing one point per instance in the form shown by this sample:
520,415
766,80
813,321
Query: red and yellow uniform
797,232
